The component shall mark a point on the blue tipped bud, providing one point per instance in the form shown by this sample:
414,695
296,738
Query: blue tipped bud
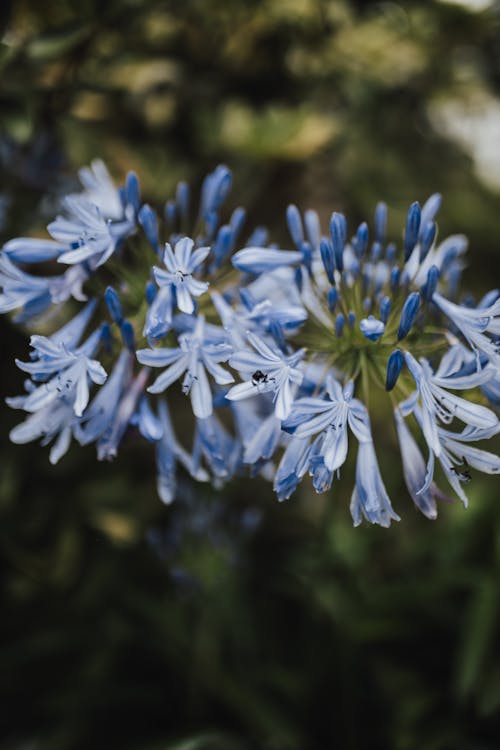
338,232
489,298
237,220
313,230
361,240
306,251
372,328
430,285
328,259
390,252
408,315
170,213
376,251
258,238
148,221
132,191
298,278
395,277
113,304
394,366
385,308
430,209
427,237
367,304
294,222
128,337
412,228
339,325
333,296
215,188
106,337
150,292
182,200
380,222
351,319
223,244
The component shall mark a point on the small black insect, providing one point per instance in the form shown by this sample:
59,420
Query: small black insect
259,377
462,471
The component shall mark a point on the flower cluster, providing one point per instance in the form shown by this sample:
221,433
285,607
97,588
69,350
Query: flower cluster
279,350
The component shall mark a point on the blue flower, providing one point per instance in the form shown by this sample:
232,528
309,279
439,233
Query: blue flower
69,373
437,403
192,358
86,233
414,471
474,324
372,328
370,498
168,454
181,265
268,371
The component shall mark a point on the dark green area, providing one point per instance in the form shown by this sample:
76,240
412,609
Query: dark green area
229,621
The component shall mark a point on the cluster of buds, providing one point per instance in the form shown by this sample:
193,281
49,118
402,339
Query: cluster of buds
279,350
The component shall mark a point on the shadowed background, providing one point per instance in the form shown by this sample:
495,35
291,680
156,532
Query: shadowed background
228,621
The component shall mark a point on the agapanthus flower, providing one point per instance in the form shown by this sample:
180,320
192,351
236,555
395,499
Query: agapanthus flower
283,351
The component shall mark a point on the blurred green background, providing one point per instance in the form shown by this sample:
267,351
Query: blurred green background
228,621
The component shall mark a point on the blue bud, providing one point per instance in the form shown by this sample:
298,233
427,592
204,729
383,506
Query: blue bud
182,200
380,222
113,303
404,280
338,232
306,251
215,188
361,240
211,223
394,366
351,319
427,238
237,220
328,259
223,244
412,228
294,221
489,298
333,296
132,191
390,252
408,314
106,337
170,213
430,209
454,277
258,238
339,325
449,256
430,285
298,278
148,221
150,292
313,232
385,308
376,251
395,277
367,304
128,337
